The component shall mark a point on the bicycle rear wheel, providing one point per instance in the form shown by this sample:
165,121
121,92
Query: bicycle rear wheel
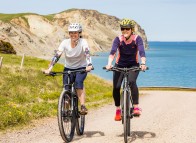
66,117
80,120
80,123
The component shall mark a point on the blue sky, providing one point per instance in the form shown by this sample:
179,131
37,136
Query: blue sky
162,20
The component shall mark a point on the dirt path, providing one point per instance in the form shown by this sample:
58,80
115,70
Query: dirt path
167,117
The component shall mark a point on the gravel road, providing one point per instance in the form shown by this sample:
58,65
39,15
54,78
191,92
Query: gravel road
167,117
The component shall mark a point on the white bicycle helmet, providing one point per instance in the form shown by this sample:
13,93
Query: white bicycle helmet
75,27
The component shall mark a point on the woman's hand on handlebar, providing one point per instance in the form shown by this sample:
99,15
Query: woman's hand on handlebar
143,67
89,68
108,67
46,71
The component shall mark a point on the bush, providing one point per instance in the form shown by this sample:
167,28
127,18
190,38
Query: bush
6,48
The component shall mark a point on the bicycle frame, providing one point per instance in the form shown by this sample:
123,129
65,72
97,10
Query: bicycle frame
126,88
73,93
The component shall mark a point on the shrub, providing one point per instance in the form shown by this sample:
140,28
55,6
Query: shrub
6,48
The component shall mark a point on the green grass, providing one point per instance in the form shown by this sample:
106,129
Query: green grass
50,17
9,17
27,94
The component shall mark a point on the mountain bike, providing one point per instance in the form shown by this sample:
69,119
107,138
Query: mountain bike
126,100
69,116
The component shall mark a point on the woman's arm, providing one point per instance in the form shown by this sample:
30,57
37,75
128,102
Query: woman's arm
141,50
88,56
55,59
113,51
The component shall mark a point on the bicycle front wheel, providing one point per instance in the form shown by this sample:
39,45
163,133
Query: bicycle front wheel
66,117
126,119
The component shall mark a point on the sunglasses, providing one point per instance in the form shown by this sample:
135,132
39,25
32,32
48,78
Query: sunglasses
122,29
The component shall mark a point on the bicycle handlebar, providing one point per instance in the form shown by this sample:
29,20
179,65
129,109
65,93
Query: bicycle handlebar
67,72
125,69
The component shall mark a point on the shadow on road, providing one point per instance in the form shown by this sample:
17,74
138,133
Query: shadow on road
93,133
139,135
89,134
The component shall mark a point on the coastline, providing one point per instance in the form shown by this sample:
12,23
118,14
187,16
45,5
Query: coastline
168,88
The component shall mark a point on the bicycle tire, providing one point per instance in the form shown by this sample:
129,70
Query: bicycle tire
128,115
80,123
66,117
125,116
122,108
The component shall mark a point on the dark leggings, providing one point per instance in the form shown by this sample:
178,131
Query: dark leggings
117,81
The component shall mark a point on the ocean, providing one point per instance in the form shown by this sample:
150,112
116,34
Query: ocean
171,64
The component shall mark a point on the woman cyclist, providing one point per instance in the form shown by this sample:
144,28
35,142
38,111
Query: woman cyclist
128,46
77,56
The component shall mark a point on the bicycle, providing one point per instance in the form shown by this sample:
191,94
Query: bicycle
69,117
126,100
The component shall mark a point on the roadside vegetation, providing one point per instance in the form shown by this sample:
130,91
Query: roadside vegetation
27,94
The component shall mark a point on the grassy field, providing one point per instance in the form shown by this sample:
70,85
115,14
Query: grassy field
27,94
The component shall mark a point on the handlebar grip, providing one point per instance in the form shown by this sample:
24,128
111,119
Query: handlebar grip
49,74
52,73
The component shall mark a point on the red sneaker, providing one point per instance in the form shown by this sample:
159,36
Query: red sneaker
118,115
137,111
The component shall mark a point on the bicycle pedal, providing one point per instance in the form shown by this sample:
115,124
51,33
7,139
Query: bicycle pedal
82,113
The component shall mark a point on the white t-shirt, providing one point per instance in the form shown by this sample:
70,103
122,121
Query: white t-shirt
76,57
